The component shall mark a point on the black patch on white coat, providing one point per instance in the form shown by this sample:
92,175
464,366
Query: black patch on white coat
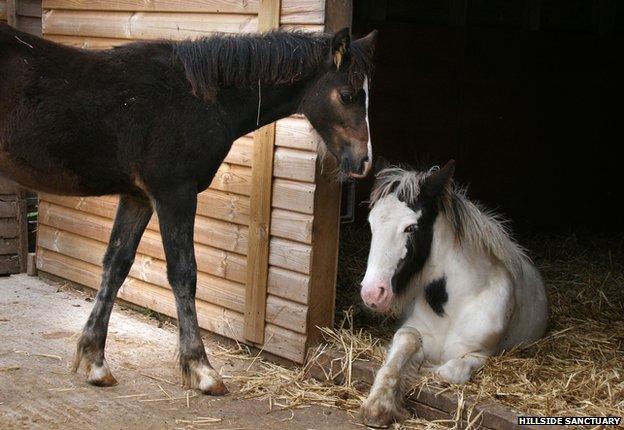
436,295
418,245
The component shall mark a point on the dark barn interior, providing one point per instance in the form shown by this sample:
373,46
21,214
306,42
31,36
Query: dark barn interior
524,95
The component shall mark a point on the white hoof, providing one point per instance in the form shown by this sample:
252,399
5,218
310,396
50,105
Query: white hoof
380,412
454,372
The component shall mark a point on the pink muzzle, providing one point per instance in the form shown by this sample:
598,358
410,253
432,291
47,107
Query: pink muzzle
377,295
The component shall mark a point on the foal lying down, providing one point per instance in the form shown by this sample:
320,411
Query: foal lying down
464,288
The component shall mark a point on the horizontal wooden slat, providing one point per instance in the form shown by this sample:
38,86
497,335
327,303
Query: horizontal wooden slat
153,270
241,152
290,255
282,283
232,179
282,342
209,231
296,132
291,225
213,6
145,26
294,164
223,206
291,195
292,12
30,8
86,42
288,284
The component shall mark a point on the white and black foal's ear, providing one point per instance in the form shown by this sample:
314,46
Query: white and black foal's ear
435,183
340,44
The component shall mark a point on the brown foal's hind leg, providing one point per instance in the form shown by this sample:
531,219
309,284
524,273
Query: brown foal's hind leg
176,214
133,214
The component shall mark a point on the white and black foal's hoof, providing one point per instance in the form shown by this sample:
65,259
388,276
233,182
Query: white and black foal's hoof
378,412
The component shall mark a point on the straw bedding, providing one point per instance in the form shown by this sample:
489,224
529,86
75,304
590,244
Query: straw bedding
577,369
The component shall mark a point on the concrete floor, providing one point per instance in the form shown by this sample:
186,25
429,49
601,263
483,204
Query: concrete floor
39,325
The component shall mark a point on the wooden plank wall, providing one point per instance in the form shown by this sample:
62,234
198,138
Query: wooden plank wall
73,232
13,228
24,15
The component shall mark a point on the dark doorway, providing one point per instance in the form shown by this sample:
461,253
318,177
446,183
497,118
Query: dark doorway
525,95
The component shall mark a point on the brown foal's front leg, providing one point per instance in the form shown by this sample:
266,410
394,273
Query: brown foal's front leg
133,214
176,214
384,403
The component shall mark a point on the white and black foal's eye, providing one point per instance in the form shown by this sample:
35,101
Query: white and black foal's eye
346,97
410,228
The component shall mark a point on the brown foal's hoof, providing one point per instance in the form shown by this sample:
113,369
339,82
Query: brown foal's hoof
105,381
99,376
217,389
204,378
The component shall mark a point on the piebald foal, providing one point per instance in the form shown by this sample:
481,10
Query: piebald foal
464,288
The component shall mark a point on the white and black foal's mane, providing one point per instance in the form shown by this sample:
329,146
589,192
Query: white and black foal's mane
475,227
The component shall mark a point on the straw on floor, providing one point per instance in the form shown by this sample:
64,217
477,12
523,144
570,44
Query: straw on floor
577,369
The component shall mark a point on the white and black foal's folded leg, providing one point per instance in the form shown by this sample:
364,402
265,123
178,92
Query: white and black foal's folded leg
176,214
132,217
384,403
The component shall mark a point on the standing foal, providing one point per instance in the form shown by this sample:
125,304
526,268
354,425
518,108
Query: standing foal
464,288
152,121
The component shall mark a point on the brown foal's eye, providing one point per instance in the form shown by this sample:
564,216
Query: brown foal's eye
346,97
410,228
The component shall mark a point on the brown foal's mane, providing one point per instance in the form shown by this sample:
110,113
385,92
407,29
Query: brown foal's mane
274,58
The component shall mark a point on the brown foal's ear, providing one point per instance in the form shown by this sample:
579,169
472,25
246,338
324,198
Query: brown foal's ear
435,183
340,44
368,42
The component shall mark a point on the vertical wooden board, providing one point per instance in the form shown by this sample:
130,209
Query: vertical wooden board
260,207
28,25
269,15
324,262
259,230
2,10
11,12
31,8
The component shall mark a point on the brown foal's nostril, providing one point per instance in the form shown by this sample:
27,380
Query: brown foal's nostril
382,292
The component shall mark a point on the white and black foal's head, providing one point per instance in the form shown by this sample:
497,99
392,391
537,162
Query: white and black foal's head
405,205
